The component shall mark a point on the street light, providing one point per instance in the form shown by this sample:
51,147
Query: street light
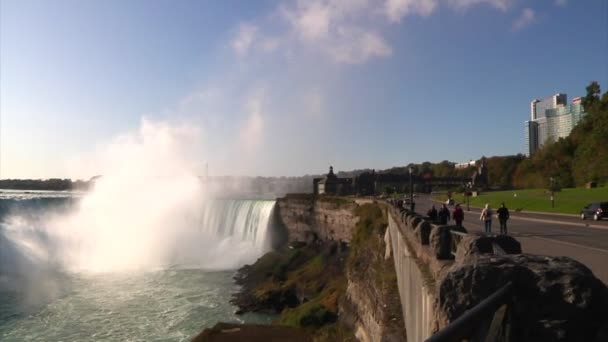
468,194
552,180
411,190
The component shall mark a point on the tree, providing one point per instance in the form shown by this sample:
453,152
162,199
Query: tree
592,97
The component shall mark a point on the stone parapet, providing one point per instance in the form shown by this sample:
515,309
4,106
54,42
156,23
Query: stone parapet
442,274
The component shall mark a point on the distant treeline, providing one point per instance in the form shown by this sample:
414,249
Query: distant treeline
572,161
54,184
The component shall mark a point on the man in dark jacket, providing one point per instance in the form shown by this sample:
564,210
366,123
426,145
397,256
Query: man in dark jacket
503,216
443,215
458,215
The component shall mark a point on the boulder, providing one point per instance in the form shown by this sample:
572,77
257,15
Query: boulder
232,332
440,241
415,221
554,298
422,232
403,215
474,245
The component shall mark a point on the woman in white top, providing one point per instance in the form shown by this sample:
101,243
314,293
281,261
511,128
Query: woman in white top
486,216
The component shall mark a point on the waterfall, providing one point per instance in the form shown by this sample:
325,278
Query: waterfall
102,235
246,220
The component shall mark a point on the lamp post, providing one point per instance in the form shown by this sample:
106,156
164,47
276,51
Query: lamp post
552,180
411,190
468,194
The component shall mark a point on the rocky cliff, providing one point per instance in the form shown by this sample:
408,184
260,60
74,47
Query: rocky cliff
305,218
332,278
371,306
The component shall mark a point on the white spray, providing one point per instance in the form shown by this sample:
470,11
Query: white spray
148,210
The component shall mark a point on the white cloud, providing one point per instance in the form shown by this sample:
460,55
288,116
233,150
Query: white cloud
345,31
311,21
526,18
342,30
397,9
561,3
353,46
244,38
462,5
270,44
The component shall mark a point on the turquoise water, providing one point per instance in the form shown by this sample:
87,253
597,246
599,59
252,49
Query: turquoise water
64,259
164,305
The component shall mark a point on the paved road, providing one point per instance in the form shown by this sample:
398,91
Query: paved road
554,235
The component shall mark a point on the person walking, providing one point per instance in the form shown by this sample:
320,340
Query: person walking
458,215
443,215
486,217
432,214
503,216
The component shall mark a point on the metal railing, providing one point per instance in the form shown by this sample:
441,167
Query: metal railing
486,321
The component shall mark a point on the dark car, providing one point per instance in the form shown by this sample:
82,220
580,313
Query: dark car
597,210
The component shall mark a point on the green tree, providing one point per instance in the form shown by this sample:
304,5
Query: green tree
592,97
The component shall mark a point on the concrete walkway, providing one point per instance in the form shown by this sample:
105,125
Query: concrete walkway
546,234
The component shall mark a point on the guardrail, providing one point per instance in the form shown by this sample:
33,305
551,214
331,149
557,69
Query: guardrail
486,321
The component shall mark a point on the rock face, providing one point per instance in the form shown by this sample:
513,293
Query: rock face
556,298
372,305
307,219
227,332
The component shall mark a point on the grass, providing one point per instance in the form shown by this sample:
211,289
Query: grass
567,201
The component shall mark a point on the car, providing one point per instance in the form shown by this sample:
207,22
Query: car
450,201
596,210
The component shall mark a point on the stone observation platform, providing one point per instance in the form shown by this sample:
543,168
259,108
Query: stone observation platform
444,272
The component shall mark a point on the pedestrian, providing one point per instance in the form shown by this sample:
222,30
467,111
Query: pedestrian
503,216
486,216
443,215
432,214
458,215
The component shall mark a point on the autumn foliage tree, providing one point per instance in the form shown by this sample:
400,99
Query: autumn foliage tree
579,158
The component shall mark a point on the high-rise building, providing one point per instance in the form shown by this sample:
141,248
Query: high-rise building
550,119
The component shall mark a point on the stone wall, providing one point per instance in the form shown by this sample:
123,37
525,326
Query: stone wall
416,285
554,299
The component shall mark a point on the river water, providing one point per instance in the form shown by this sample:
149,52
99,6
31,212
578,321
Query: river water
42,299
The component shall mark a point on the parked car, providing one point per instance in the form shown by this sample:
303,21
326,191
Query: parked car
596,210
449,201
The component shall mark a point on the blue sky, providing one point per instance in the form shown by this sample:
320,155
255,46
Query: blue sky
289,87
